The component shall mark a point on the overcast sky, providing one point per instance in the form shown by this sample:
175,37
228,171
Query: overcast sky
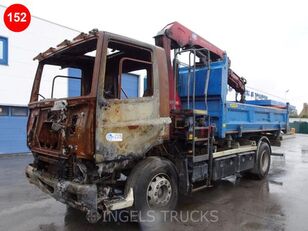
266,40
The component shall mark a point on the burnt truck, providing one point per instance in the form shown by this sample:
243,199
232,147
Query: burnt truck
104,149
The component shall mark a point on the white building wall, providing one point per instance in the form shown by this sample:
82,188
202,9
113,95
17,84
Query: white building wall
17,77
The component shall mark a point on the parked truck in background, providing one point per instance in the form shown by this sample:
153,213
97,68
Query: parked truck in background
105,150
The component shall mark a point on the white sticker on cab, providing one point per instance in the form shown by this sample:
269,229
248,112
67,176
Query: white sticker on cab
114,137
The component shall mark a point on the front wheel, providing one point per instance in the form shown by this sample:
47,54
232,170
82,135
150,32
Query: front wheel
263,161
154,184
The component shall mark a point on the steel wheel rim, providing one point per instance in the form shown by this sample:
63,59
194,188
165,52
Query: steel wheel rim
159,191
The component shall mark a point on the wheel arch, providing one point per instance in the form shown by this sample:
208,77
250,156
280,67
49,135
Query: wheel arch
266,140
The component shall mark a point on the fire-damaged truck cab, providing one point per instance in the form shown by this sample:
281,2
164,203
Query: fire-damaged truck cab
104,148
85,146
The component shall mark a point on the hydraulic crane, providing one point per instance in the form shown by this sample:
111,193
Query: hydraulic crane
176,36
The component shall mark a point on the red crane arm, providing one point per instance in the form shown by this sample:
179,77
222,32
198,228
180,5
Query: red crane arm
182,37
175,35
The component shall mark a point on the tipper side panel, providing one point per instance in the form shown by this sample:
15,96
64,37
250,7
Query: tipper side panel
228,117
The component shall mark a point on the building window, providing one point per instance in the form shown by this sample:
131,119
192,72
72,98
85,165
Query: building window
3,50
4,111
19,111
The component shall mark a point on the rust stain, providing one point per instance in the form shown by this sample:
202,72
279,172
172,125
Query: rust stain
133,127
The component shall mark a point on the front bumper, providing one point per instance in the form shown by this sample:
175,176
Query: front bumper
80,196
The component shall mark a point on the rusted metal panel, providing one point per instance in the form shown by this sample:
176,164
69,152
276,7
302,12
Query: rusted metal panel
85,194
65,127
70,129
62,130
163,83
67,43
137,124
136,120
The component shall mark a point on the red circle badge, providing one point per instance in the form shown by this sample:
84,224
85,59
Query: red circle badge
17,17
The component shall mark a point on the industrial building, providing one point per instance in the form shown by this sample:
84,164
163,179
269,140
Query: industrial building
17,70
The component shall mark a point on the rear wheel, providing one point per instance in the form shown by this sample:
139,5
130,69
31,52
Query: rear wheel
154,184
263,161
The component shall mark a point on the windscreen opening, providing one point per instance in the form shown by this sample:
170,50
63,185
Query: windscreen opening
68,73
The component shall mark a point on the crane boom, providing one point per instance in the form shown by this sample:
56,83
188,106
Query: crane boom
175,36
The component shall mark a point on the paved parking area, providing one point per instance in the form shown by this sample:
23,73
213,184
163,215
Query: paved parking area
277,203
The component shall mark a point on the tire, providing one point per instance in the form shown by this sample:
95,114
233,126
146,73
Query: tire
263,161
155,185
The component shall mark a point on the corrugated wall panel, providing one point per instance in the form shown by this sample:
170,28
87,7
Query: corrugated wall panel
13,134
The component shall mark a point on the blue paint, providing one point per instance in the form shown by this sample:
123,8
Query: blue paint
74,85
217,80
130,85
13,134
228,117
266,103
145,84
5,59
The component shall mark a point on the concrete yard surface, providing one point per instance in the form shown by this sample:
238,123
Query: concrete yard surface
276,203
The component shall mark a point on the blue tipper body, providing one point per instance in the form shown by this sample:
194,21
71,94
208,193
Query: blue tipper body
229,117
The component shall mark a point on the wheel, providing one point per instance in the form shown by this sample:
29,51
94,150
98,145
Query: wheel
154,184
263,161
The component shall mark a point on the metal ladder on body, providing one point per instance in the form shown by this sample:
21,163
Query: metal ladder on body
198,112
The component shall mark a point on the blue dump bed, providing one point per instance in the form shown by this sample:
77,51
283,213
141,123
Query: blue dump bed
229,117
